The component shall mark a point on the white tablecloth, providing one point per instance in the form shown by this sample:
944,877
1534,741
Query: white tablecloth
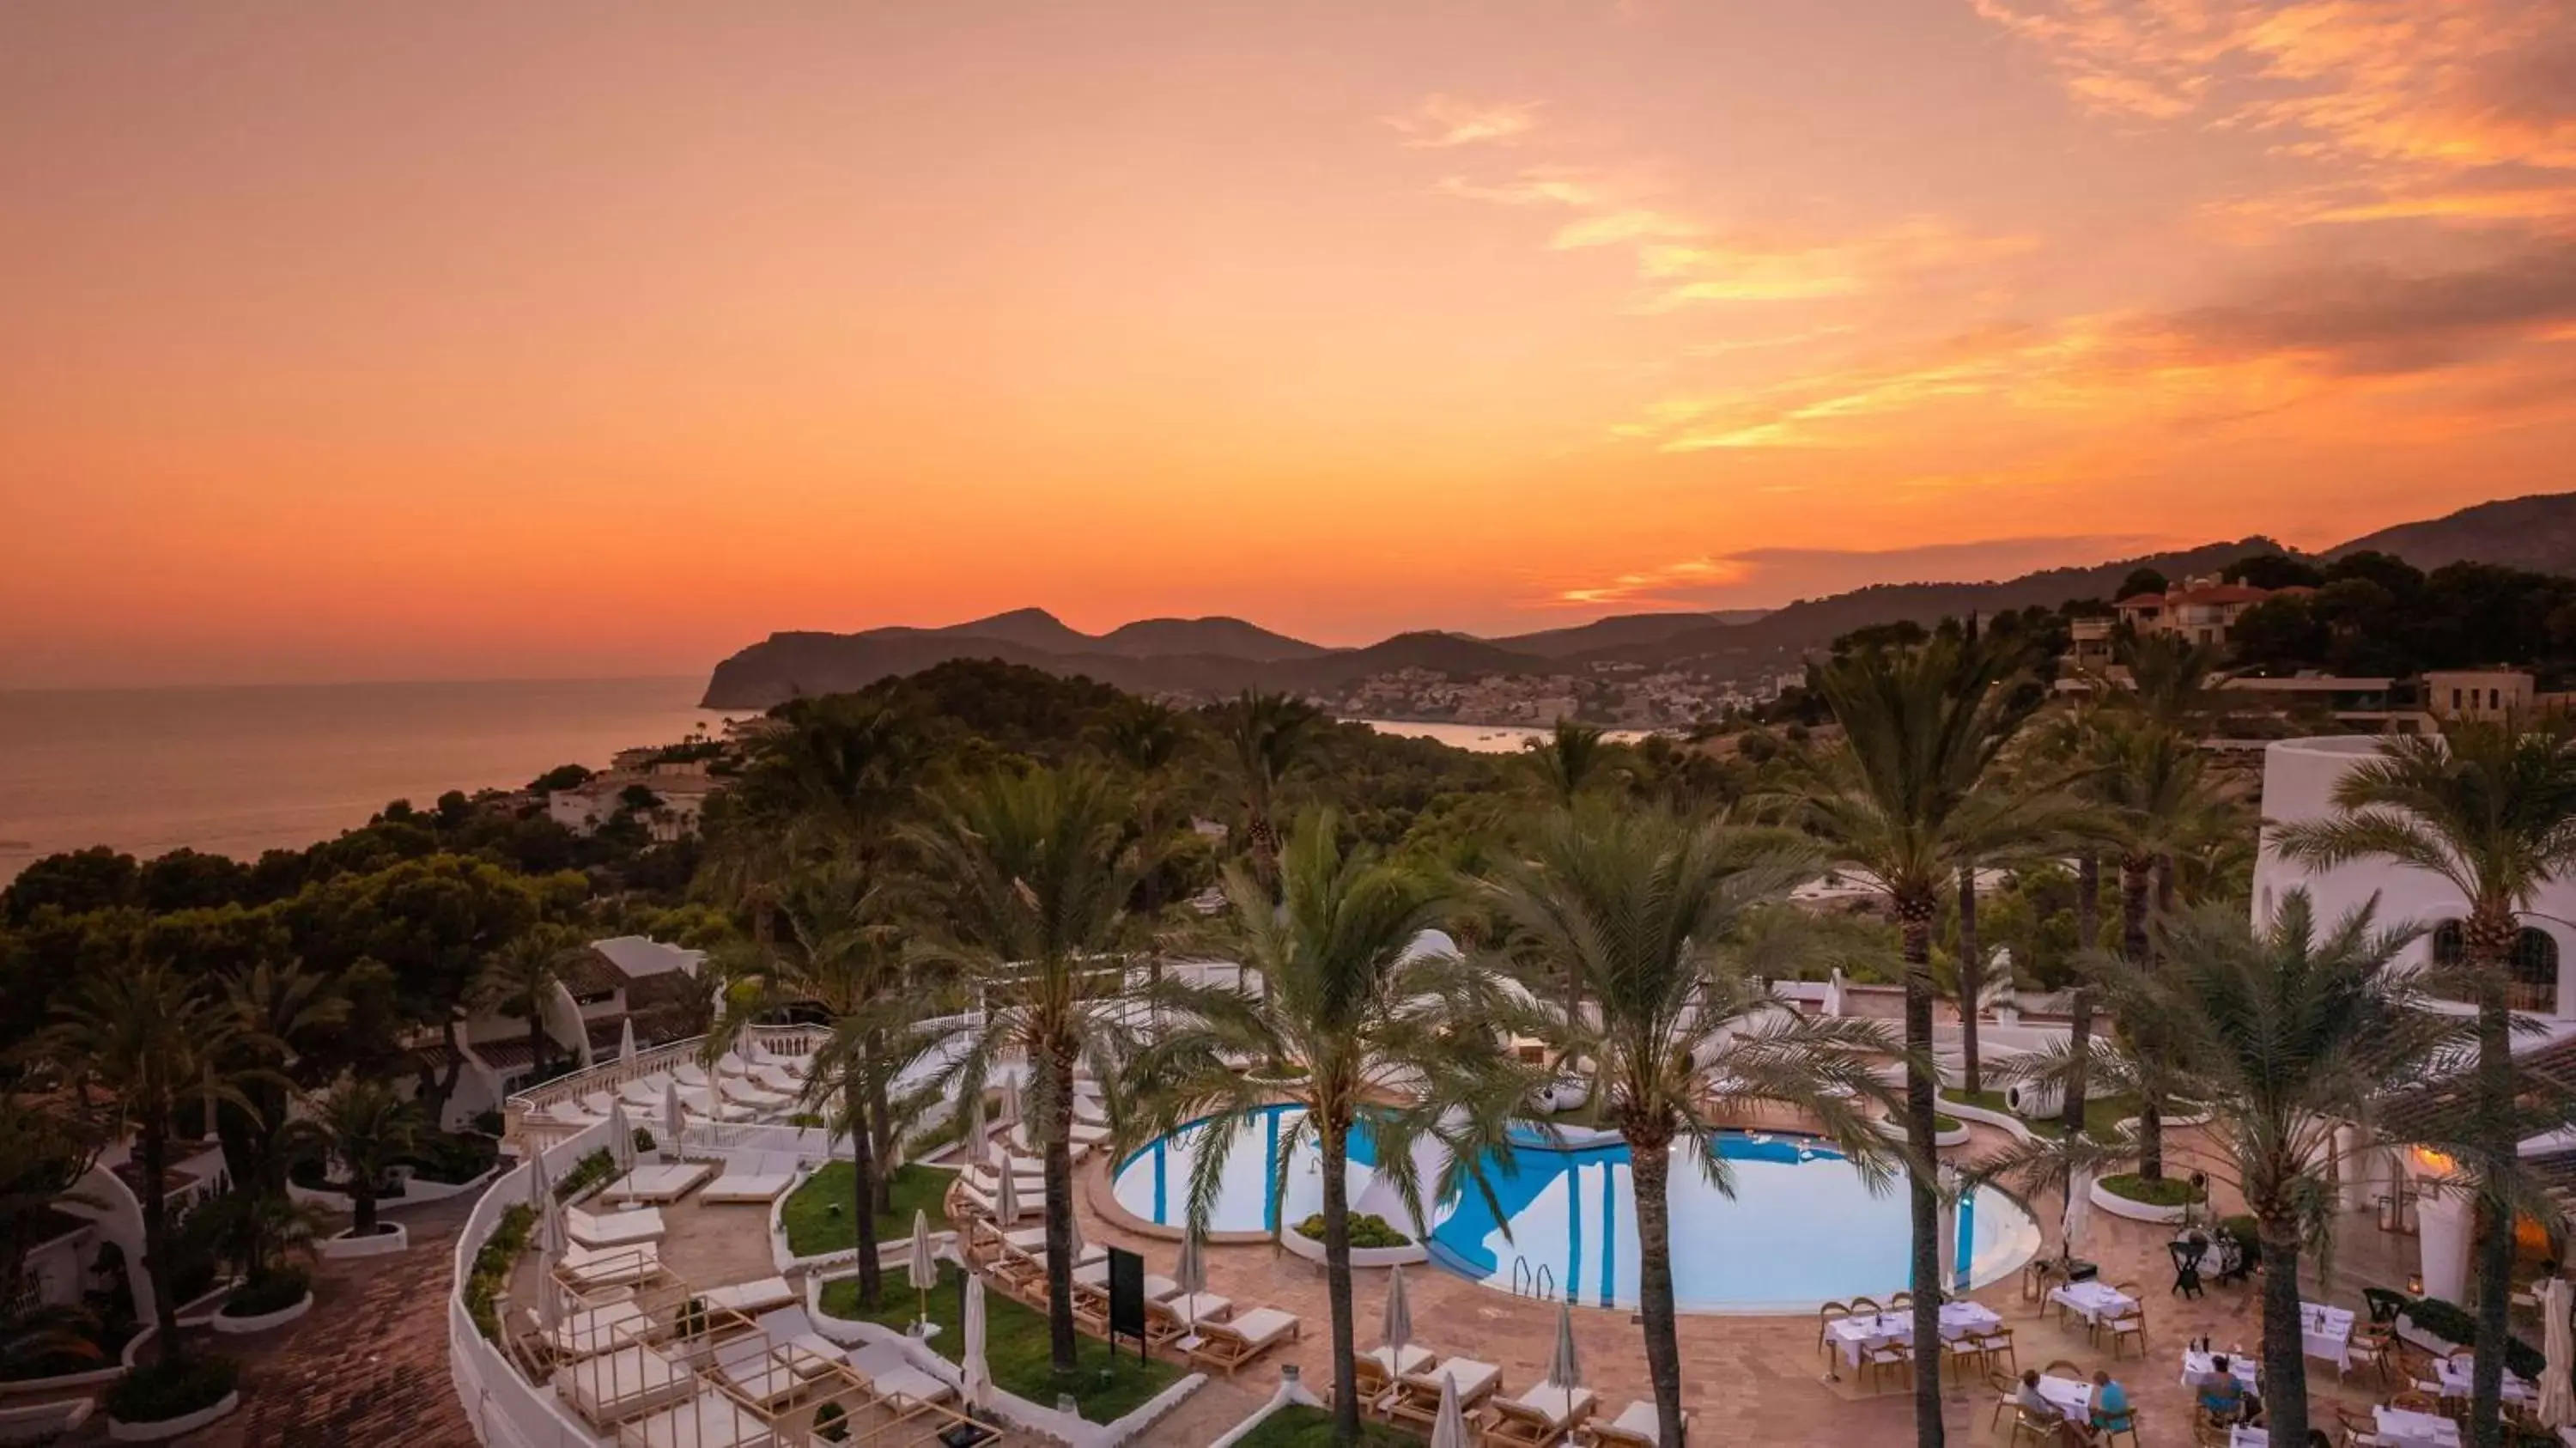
2090,1300
2244,1437
2401,1429
2197,1365
2453,1374
2326,1332
2073,1398
1854,1336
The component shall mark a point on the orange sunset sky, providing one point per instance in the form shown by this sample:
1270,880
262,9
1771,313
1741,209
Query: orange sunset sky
402,340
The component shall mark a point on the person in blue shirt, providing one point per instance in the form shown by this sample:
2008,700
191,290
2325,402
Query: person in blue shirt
2110,1408
2221,1393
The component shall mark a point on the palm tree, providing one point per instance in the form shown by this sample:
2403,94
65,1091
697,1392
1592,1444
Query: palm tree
1636,906
1271,732
523,975
281,1008
1392,1043
142,1034
840,953
1571,757
2153,803
2490,808
1907,794
1027,882
2288,1031
44,1152
364,1125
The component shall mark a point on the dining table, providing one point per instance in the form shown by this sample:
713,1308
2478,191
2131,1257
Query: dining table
1853,1337
2197,1365
2406,1428
2326,1332
2241,1436
2073,1396
2453,1374
2091,1301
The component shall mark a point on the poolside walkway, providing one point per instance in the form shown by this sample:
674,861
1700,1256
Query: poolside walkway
1761,1379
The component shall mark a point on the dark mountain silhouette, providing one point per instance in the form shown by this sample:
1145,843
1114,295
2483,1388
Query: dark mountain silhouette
2537,533
1209,657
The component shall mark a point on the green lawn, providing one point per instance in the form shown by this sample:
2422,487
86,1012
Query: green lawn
2102,1114
1299,1426
817,1214
1108,1387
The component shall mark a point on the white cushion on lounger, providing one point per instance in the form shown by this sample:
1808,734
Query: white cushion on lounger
710,1420
993,1204
751,1297
739,1186
771,1078
1556,1403
614,1229
1416,1358
665,1182
755,1370
598,1329
607,1267
598,1102
1262,1325
1096,1274
1031,1242
886,1370
623,1383
1474,1378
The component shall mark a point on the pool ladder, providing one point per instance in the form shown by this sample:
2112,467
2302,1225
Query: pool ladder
1540,1284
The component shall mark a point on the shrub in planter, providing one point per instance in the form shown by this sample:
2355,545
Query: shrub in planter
2455,1324
158,1392
45,1342
1368,1229
829,1423
593,1169
492,1266
272,1289
643,1139
2153,1192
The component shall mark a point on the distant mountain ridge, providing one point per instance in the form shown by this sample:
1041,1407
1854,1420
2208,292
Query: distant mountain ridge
1221,655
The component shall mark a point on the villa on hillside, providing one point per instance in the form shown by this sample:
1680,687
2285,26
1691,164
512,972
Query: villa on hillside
2200,609
665,798
626,981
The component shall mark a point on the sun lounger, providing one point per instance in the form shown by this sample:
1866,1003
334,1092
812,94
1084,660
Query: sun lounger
1375,1371
751,1297
991,1205
1171,1319
566,1114
1540,1416
647,1093
771,1078
1090,1110
1031,1242
1230,1344
597,1103
1635,1427
737,1185
709,1420
907,1388
743,1093
1096,1275
612,1266
751,1366
622,1384
806,1352
1417,1395
666,1182
596,1330
731,1063
614,1229
691,1076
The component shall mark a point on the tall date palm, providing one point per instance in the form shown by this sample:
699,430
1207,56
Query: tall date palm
1637,907
1028,881
1910,792
1397,1045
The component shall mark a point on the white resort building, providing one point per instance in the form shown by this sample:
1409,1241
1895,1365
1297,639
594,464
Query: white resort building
2299,779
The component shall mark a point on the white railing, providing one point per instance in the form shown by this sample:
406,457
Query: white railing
505,1409
613,1075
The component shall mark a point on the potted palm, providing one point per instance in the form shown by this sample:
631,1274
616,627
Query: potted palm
363,1125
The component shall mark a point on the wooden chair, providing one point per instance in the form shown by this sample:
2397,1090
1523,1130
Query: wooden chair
1865,1306
1826,1317
2007,1390
2061,1368
1900,1302
2355,1430
2377,1345
1999,1343
2114,1435
2412,1401
2040,1431
1963,1354
2130,1324
1877,1362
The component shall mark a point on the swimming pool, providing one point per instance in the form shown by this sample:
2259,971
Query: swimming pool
1802,1227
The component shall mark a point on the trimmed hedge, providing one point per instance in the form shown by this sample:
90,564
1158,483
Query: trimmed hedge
593,1169
273,1290
2154,1192
158,1392
2455,1324
1368,1229
492,1265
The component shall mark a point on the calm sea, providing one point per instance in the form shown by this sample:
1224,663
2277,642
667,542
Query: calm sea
241,770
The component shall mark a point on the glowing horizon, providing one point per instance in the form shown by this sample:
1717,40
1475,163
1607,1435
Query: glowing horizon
379,342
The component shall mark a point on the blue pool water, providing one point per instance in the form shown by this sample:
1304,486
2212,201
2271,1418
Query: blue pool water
1801,1228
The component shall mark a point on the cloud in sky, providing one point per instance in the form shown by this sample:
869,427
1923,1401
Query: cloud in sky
1770,576
1442,121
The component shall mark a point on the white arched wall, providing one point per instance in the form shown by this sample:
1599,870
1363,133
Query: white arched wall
2299,779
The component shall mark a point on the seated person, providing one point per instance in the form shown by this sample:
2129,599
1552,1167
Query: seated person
2035,1405
2221,1395
2110,1408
